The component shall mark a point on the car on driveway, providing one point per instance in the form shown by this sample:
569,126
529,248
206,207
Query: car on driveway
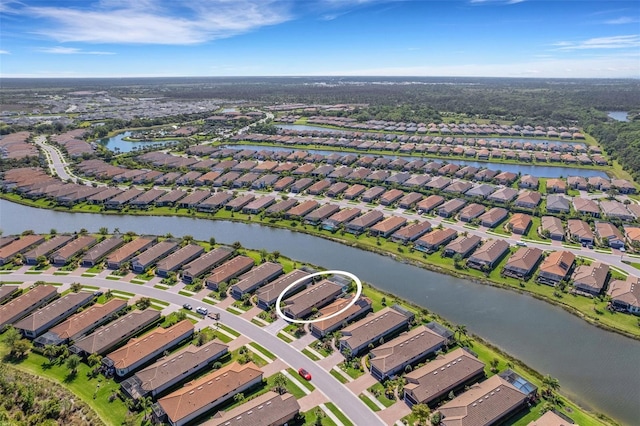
304,373
187,306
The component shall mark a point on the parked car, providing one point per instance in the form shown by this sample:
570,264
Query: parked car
521,243
202,311
187,306
304,373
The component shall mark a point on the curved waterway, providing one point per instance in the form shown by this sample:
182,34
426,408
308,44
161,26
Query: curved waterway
122,145
598,369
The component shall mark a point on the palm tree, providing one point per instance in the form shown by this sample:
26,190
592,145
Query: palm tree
50,352
72,364
238,397
145,404
280,383
93,360
549,385
460,330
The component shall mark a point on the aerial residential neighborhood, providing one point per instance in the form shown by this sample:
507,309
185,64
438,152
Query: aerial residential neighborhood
319,213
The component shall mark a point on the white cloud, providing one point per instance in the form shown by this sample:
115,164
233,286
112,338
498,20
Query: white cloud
5,52
613,42
622,20
601,67
158,22
60,50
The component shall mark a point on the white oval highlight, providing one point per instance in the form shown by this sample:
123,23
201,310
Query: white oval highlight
316,274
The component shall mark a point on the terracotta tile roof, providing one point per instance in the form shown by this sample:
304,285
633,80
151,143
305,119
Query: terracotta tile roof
593,276
442,374
83,320
483,404
138,348
558,263
199,393
395,353
54,310
525,258
268,409
360,306
22,304
627,291
129,249
550,418
312,296
372,326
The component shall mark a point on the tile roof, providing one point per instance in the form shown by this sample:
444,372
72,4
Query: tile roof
199,393
404,348
85,319
54,310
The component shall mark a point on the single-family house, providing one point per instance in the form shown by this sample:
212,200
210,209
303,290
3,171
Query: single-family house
451,207
528,199
228,270
580,231
434,239
522,263
471,211
625,294
493,217
592,278
388,226
552,227
361,223
463,245
557,204
609,235
556,267
488,255
411,232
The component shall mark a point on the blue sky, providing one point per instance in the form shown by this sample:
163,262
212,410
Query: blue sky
503,38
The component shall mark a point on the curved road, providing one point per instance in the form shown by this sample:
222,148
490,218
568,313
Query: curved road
347,401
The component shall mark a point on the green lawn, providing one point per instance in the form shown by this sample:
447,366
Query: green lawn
263,350
339,414
372,405
228,330
310,418
283,337
112,413
256,322
310,354
352,372
338,376
304,382
378,388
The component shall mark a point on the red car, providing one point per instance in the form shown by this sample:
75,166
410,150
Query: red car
304,373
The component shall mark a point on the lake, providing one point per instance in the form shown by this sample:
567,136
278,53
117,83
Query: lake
598,369
619,115
127,146
535,170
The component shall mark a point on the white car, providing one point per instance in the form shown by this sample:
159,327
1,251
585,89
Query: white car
202,311
521,243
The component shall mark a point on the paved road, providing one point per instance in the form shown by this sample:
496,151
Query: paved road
57,164
348,402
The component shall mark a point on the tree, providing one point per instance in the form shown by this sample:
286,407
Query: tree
460,331
421,412
76,287
549,385
280,383
11,336
145,405
50,351
238,397
103,230
93,360
436,418
20,348
212,241
494,365
41,261
143,303
72,364
319,416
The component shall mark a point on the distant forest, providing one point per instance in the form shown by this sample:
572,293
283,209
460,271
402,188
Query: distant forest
582,102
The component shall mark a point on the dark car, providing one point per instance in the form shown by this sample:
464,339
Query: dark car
187,306
304,373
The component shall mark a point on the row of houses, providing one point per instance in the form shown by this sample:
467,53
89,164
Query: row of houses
447,128
15,146
50,319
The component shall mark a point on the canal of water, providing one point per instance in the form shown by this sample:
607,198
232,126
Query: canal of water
598,369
